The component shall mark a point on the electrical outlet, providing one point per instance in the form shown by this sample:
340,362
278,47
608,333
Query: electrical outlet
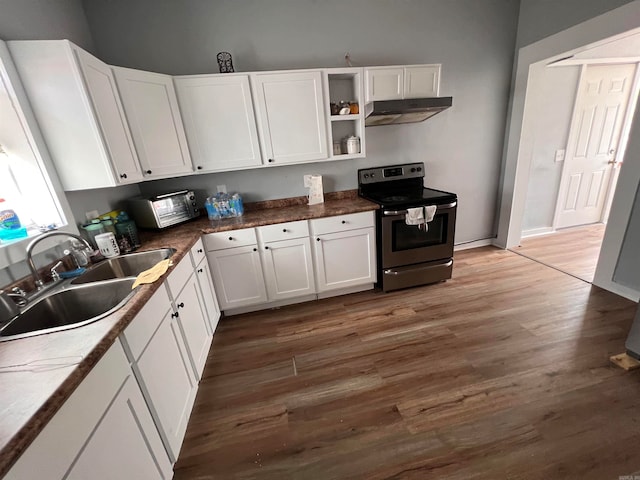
221,188
559,155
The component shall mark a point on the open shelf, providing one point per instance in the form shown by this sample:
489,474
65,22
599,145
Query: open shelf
345,85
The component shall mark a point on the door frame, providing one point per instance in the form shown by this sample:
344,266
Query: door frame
517,153
620,147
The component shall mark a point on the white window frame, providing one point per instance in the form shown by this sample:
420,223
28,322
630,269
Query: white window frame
15,252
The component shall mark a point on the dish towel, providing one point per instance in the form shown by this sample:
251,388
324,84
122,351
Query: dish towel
414,216
153,274
429,212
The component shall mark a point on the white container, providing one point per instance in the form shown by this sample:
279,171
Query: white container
353,145
107,245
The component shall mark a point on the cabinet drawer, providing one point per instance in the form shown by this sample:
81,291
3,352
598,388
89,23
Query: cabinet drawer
179,277
342,223
197,253
283,231
230,239
146,322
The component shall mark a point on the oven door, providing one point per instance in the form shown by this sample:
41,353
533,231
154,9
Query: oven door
404,244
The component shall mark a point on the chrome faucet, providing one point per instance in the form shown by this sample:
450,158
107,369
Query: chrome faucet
9,303
32,266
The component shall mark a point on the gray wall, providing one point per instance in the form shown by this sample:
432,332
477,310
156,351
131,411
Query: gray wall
629,261
541,18
473,39
45,20
555,107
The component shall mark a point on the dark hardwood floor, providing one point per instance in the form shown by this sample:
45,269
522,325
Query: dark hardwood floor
502,372
572,250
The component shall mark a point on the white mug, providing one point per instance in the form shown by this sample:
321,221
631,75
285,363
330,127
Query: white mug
107,245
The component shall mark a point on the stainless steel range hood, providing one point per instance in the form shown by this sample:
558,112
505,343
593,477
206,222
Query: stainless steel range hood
411,110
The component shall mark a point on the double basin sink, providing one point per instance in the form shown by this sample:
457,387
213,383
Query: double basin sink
100,291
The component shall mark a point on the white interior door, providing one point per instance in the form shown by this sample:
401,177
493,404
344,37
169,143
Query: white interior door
598,119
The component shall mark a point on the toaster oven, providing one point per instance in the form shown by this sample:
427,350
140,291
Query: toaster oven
164,210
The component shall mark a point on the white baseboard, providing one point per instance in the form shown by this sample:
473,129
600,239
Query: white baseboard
626,292
476,244
535,232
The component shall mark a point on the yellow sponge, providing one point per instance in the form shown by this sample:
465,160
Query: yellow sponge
153,274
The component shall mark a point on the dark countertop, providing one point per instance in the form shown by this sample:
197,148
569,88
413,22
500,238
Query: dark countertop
30,397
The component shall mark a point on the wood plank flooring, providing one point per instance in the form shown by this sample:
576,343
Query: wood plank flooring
501,372
572,250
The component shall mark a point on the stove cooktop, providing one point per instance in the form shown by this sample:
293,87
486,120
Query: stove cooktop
402,197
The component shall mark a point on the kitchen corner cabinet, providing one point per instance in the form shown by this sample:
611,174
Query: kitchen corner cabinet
189,306
344,251
151,108
107,430
219,121
237,271
205,281
290,111
161,363
400,82
76,102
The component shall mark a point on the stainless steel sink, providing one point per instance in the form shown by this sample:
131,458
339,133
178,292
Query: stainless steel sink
70,307
125,266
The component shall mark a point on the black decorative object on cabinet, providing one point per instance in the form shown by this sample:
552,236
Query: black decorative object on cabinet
225,62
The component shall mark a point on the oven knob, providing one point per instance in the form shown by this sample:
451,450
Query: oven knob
413,169
366,175
419,169
373,175
194,203
191,197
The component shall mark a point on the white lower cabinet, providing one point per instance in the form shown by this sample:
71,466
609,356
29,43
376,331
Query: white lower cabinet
103,431
344,251
163,368
237,276
205,281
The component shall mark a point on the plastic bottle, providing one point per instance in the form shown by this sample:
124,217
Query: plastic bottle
127,227
10,226
92,229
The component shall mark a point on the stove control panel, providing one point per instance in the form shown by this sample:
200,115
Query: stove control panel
390,173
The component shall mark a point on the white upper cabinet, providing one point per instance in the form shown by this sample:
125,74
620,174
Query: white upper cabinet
399,82
76,103
219,121
152,111
290,110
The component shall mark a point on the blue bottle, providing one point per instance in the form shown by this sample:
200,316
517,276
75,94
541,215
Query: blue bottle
10,226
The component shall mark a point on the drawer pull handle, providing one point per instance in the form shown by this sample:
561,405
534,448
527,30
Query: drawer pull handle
344,221
255,249
200,270
180,305
317,239
149,172
199,250
199,167
175,315
231,238
271,160
266,248
123,175
284,230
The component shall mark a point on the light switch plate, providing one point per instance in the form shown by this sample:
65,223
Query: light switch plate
221,188
559,155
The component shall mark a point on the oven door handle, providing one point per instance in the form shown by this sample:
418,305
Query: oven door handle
387,213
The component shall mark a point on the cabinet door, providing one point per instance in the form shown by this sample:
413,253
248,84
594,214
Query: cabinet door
168,383
421,81
125,443
384,83
237,276
203,274
345,259
101,86
291,116
152,111
194,324
288,268
219,121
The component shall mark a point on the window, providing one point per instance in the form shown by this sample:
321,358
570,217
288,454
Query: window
27,180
